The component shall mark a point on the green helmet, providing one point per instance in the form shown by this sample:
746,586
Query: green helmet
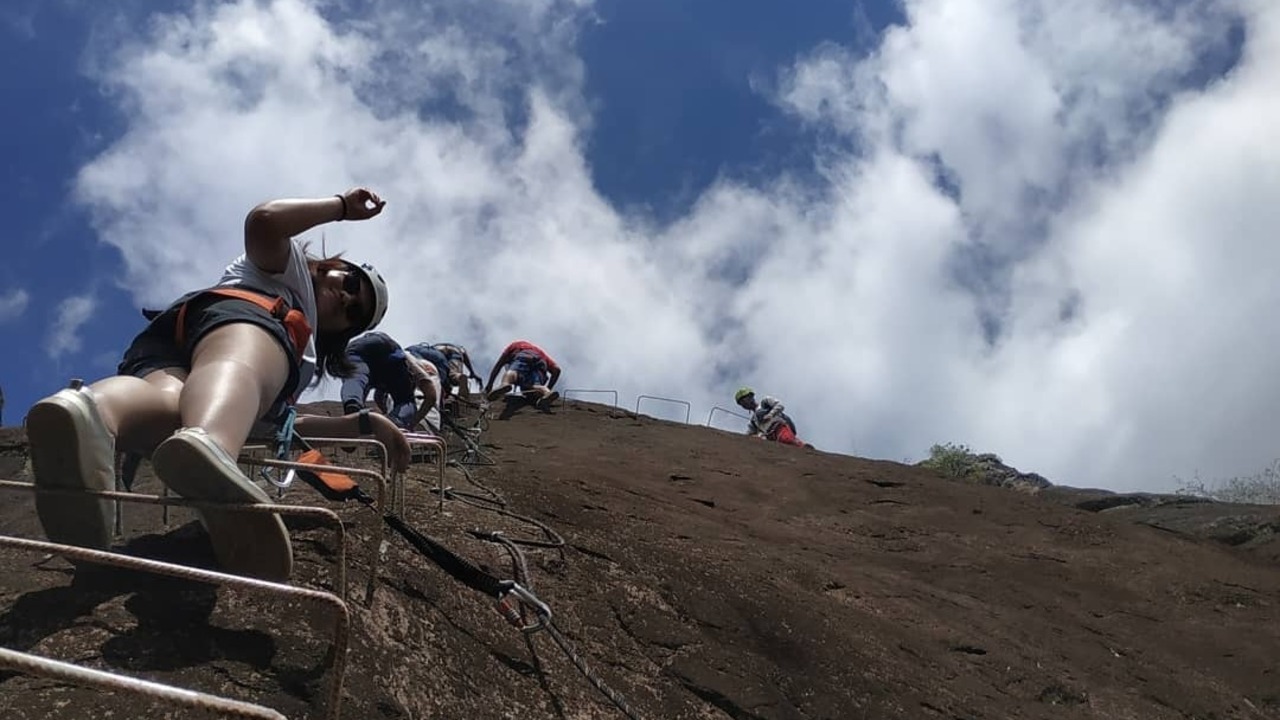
742,392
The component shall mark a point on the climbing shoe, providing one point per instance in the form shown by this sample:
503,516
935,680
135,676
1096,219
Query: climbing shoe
71,449
255,544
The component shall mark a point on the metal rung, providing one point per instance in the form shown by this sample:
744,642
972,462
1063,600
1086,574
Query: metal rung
380,530
442,450
396,479
77,675
183,572
673,401
726,411
372,444
326,516
564,395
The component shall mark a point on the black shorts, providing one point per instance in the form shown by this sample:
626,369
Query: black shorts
157,348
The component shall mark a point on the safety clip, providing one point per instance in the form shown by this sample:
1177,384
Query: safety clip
525,596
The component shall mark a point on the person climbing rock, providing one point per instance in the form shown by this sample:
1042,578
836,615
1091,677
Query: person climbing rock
381,365
431,358
768,420
460,372
196,380
529,368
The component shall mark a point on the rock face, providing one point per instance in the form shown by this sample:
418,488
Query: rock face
993,471
1255,528
696,574
958,463
1252,527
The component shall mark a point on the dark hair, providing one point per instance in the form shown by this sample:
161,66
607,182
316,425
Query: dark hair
331,347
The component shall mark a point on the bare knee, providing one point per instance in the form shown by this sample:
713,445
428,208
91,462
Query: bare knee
140,412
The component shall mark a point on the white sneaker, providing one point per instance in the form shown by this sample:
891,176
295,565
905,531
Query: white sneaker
197,468
71,448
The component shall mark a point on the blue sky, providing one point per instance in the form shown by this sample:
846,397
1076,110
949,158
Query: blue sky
1044,231
670,85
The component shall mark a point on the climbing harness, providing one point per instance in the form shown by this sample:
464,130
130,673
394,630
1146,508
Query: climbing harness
295,323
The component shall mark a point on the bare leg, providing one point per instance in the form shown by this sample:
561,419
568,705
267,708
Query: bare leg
508,382
140,412
431,393
509,377
237,371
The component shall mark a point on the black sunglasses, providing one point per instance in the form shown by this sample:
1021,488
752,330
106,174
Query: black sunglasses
351,284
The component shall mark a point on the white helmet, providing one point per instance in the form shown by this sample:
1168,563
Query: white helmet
379,292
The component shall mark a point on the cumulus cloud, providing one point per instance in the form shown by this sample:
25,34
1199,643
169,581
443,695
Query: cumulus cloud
1041,231
64,336
1120,219
13,303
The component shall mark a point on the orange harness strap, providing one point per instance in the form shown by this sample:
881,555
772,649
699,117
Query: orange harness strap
295,323
337,486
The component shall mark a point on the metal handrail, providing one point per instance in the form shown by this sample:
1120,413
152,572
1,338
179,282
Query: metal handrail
396,479
183,572
564,394
380,531
687,407
324,515
77,675
372,444
442,451
727,411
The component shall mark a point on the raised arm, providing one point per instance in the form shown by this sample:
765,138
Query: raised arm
380,427
503,359
466,360
355,388
269,227
424,385
429,401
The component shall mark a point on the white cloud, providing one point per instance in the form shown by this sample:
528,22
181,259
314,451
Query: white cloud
64,336
1082,166
13,304
1077,166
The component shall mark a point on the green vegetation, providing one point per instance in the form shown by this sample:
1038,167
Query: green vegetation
1262,488
956,461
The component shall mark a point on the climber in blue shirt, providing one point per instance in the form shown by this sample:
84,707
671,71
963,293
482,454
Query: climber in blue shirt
382,365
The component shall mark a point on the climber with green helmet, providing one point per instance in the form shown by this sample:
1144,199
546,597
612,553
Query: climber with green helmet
768,421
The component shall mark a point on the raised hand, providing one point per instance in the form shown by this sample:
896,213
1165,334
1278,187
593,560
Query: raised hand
398,451
361,203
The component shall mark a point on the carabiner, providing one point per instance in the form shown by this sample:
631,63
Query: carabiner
526,596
